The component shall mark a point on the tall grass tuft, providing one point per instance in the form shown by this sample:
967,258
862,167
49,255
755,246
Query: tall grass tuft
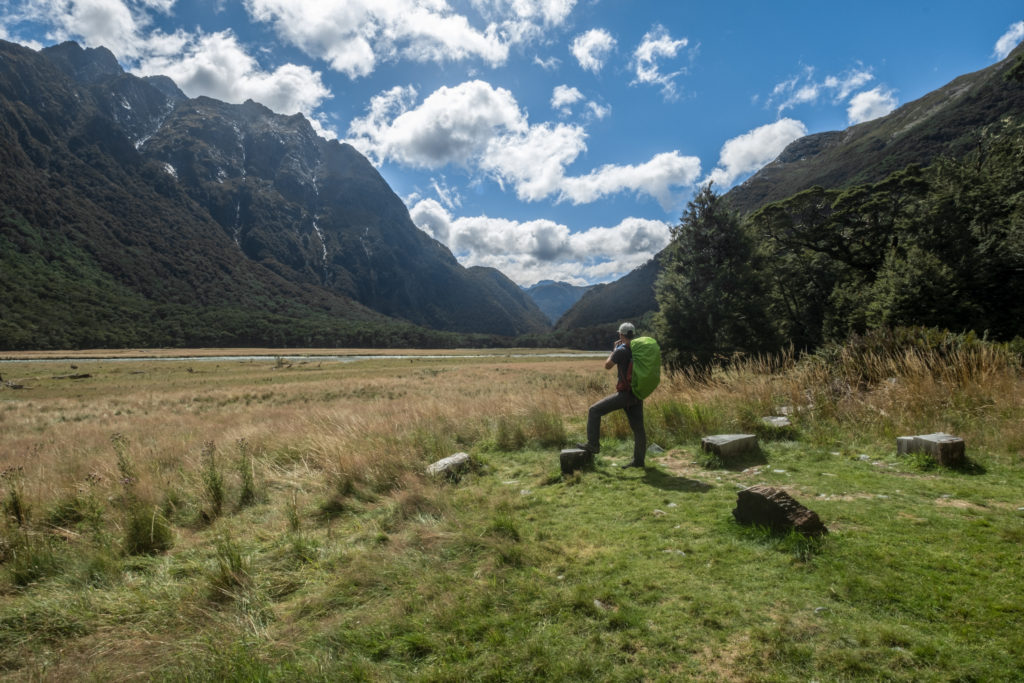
231,575
147,531
15,507
32,557
213,479
247,473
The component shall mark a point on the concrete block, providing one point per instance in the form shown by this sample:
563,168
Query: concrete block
946,449
572,459
451,466
727,446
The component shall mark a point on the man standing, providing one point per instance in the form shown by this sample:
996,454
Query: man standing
623,398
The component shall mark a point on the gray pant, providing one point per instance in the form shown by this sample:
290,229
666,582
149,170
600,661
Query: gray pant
634,408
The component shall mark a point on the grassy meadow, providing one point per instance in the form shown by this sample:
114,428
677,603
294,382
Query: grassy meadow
270,519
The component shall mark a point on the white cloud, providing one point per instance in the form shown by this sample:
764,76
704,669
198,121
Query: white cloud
752,150
109,23
164,6
1009,40
655,178
534,161
478,126
656,45
592,48
448,195
549,64
848,82
452,125
531,251
217,66
804,89
871,104
563,97
354,36
598,111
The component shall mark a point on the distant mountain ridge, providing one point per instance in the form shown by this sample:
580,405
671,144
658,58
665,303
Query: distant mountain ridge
946,121
178,201
555,298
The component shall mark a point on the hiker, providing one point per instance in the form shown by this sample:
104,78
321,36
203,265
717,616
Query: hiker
623,398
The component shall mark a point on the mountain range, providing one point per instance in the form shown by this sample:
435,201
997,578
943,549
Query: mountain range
132,214
946,122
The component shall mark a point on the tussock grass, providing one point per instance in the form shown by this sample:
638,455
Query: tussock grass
264,520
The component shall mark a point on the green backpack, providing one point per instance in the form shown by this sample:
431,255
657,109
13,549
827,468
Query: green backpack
646,366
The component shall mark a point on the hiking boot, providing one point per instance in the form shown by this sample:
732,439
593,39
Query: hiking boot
588,448
639,465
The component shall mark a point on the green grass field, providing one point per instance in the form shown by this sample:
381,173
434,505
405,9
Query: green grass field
269,521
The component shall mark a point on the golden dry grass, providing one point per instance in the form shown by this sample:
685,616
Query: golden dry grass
310,415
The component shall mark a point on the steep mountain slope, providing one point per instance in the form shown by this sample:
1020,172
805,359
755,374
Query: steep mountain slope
158,214
555,298
628,298
946,122
99,249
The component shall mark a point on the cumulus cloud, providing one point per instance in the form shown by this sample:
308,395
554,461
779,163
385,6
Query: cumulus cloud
217,66
655,178
530,251
748,152
592,48
453,125
354,36
656,45
870,104
482,128
114,24
563,97
1009,40
534,161
805,89
214,64
598,111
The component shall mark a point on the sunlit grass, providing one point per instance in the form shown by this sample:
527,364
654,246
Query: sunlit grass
244,520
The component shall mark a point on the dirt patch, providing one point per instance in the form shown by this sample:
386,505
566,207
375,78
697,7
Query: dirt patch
957,503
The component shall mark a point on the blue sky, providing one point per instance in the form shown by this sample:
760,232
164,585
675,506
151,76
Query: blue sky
551,139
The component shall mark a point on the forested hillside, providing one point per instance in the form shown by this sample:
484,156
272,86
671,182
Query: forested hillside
941,246
948,124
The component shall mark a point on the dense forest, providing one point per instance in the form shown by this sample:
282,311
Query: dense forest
938,247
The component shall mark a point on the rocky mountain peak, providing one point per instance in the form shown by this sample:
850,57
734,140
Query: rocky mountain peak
84,65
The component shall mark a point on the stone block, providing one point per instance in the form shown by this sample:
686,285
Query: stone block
572,459
778,421
776,509
946,449
451,466
730,446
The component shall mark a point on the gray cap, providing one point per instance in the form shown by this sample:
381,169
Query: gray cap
627,330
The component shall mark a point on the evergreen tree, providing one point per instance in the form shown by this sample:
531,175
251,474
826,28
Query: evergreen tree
709,291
